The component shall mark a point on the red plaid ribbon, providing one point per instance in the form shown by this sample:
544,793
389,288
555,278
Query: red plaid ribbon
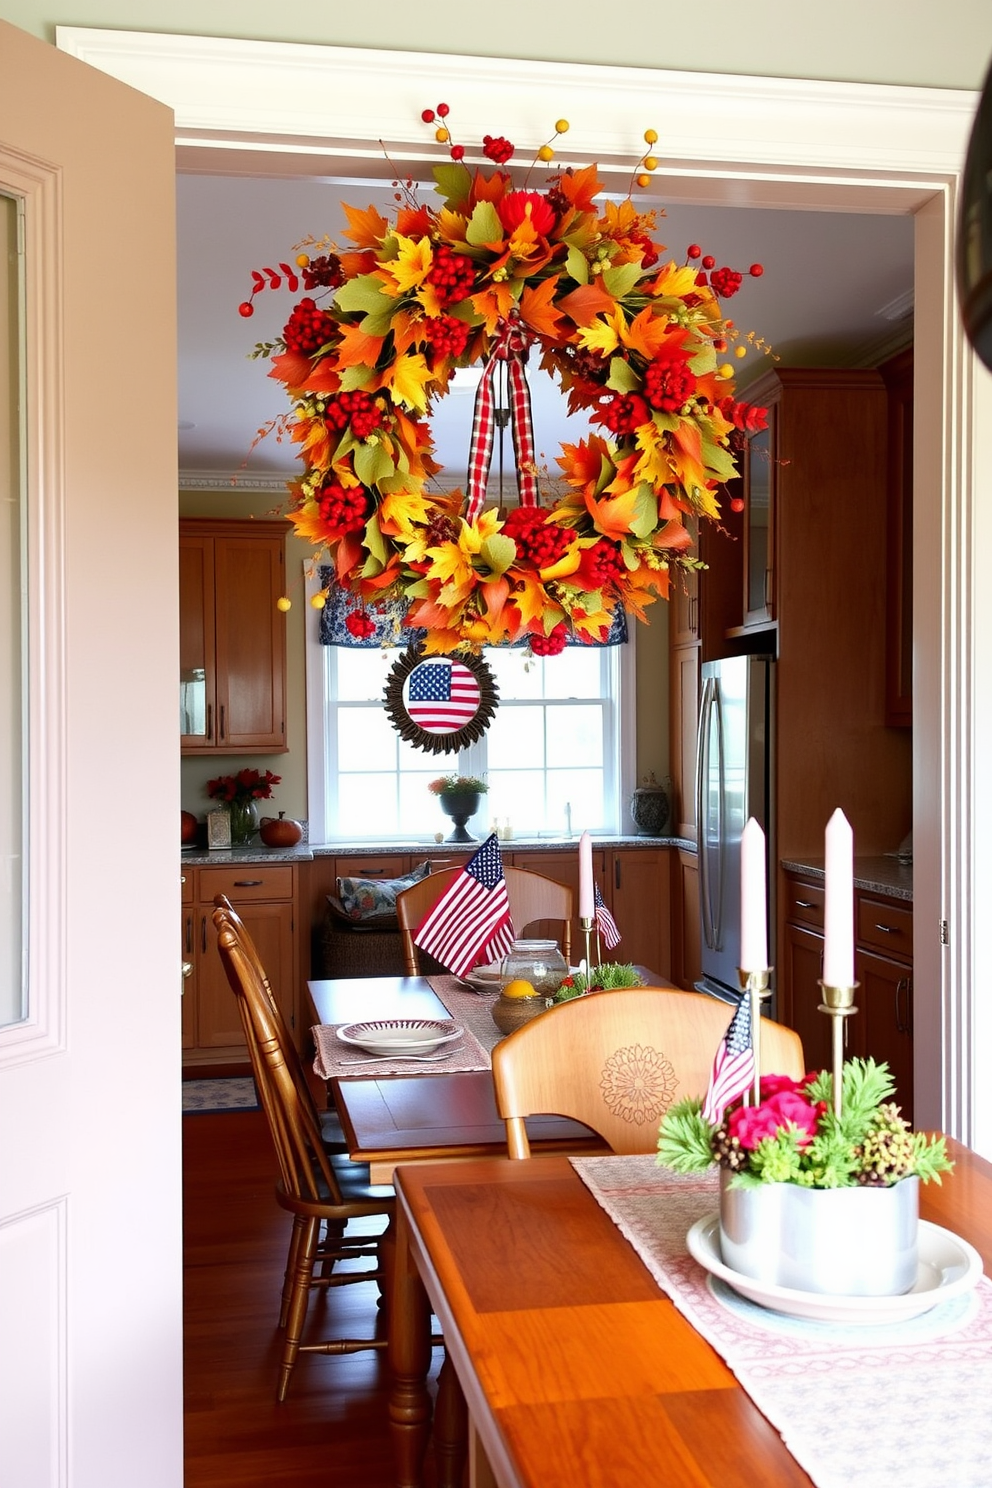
511,348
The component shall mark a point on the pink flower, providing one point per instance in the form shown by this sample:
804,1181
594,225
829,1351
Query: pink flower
751,1124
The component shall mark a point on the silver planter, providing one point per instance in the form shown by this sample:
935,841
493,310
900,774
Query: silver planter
850,1242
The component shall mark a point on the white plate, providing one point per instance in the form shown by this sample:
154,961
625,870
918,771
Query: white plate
948,1267
400,1037
490,978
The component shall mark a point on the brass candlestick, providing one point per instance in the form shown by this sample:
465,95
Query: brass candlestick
838,1004
756,985
586,924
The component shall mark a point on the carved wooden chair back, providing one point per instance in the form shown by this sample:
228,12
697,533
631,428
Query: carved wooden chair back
617,1060
532,898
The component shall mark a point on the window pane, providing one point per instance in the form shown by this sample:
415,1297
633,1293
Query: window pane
575,673
365,740
367,806
577,729
516,675
361,675
518,795
516,737
582,792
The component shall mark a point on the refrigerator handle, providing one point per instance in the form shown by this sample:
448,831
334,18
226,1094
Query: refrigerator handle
702,763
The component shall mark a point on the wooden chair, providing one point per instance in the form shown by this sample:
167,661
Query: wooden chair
532,898
317,1188
617,1060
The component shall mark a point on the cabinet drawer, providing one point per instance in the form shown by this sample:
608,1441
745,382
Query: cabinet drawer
186,885
886,927
381,866
804,903
246,883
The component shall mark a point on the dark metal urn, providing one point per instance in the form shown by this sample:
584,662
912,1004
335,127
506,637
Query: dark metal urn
461,806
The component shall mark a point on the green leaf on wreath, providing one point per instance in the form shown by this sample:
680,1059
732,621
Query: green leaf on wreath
453,182
719,460
577,266
419,590
484,226
465,311
704,361
379,321
353,378
645,518
374,540
365,293
497,553
607,470
372,462
345,446
621,280
622,378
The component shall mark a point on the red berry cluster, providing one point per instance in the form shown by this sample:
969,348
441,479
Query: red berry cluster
447,336
550,645
360,624
308,328
725,282
649,253
603,565
441,529
496,148
354,408
323,273
538,541
746,416
668,383
624,413
452,275
343,511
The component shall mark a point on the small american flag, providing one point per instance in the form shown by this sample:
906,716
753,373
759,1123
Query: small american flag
733,1067
605,923
471,920
442,696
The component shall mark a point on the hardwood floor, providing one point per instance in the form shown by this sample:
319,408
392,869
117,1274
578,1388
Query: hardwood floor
332,1431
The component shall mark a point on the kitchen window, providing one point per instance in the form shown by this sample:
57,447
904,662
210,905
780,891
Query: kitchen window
558,756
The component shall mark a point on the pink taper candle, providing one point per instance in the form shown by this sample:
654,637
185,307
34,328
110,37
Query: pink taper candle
838,915
754,916
587,908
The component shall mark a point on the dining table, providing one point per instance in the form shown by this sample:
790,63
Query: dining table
576,1366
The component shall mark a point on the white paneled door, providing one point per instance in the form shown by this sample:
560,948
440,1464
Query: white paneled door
90,1261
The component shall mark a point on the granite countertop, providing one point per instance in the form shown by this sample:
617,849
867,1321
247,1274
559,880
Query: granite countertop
305,852
888,874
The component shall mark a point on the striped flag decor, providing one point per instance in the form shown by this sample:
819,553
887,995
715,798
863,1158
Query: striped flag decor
733,1066
470,923
605,923
442,696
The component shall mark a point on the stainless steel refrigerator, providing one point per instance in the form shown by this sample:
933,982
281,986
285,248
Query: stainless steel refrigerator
734,763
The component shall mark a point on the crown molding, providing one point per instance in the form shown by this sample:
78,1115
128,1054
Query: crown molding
233,481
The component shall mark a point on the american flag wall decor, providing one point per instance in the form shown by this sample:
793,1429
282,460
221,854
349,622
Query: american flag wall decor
442,695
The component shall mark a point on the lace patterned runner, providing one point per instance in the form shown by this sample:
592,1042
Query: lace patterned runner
900,1406
334,1058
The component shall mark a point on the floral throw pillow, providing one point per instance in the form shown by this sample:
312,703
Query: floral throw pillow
365,899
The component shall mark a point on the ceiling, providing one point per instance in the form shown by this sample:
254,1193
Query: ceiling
837,290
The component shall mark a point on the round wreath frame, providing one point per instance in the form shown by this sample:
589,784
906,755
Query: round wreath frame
635,341
421,738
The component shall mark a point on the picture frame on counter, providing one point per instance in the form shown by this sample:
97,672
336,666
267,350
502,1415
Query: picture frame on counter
218,829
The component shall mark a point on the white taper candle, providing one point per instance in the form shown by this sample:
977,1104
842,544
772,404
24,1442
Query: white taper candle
754,897
838,915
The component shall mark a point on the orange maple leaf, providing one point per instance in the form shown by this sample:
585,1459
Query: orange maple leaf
612,515
581,187
292,368
413,222
367,227
585,303
358,349
493,303
537,309
647,333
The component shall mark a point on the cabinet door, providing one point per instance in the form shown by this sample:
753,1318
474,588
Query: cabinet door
250,638
563,867
188,980
684,709
885,1000
196,641
640,899
759,524
686,938
683,609
218,1023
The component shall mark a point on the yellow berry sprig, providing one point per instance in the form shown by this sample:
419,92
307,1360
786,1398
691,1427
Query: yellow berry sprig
545,154
641,174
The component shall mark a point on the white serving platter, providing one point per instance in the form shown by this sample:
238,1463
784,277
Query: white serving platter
948,1267
400,1037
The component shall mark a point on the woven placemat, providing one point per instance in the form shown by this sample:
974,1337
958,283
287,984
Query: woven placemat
335,1059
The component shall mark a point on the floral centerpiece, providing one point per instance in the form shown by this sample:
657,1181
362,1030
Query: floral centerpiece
459,798
498,269
458,785
239,793
605,978
811,1198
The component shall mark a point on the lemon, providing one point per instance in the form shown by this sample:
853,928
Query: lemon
519,988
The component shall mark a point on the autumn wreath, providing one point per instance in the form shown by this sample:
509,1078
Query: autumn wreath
496,270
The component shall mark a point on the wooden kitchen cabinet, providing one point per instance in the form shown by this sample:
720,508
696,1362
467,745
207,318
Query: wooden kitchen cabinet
686,929
640,901
265,898
683,715
882,1028
232,637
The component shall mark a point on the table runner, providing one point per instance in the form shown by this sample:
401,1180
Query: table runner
471,1009
900,1406
334,1059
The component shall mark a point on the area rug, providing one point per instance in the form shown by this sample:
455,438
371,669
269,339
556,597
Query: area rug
235,1094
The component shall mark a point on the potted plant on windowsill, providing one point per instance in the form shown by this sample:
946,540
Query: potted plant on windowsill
810,1199
459,796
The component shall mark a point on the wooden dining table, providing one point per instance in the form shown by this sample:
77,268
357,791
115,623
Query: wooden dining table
387,1119
574,1365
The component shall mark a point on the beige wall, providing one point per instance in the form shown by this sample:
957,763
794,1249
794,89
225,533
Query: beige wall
890,41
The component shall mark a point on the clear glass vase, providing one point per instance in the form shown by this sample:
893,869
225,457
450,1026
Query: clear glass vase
244,821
